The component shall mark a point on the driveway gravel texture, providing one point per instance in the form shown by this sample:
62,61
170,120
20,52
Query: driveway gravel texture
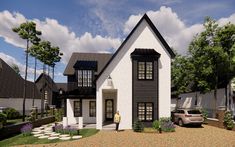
206,136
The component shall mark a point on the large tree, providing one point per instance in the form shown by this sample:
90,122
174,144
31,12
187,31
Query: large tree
48,55
28,32
209,58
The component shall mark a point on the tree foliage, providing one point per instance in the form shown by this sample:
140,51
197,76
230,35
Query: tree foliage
181,72
211,60
28,32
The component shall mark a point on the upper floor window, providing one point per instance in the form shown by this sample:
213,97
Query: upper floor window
145,70
85,78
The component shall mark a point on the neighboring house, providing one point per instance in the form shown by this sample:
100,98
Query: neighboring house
48,90
135,80
206,101
11,90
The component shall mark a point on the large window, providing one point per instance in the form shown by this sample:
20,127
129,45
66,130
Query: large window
92,109
77,109
85,78
145,70
145,111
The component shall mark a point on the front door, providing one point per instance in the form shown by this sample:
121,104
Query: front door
109,110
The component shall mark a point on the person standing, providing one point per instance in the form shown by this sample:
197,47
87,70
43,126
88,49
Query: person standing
117,119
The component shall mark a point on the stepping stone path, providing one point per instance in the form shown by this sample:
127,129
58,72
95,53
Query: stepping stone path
65,135
76,137
43,137
45,131
38,135
65,138
52,138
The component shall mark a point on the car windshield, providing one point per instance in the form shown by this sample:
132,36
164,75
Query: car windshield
194,112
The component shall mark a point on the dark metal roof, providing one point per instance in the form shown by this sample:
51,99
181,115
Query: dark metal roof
101,58
86,65
62,86
46,80
150,52
12,84
162,40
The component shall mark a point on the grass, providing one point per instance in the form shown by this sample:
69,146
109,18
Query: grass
150,130
20,139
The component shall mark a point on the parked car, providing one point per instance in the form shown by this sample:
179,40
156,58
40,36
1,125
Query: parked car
187,116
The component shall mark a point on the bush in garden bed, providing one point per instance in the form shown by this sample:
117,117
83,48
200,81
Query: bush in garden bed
67,130
138,126
164,124
3,118
228,120
26,129
11,113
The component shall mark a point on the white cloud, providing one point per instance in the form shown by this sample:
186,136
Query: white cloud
57,34
173,29
223,21
11,61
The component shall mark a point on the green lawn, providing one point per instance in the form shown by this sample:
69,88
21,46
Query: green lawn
20,139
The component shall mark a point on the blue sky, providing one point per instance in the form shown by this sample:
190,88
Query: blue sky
101,25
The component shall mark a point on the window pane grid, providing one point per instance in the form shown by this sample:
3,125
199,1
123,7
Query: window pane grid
92,108
145,70
77,108
145,111
85,78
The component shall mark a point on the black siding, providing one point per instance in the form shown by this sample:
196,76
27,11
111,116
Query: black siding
145,91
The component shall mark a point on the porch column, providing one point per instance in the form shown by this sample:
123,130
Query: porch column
99,110
65,107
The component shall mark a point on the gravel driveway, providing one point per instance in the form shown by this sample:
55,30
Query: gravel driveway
207,136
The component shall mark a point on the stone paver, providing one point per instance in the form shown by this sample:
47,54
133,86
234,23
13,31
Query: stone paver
207,136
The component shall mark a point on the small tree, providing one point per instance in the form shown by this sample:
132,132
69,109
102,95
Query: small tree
28,32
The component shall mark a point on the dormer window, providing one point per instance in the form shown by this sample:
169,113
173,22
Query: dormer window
85,71
84,78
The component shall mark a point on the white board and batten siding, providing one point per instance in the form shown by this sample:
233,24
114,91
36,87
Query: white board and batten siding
85,112
120,70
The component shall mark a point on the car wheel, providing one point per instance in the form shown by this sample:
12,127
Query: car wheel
180,122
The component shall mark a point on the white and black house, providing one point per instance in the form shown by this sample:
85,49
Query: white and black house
135,80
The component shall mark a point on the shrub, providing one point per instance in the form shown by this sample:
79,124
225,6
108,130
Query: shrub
3,118
58,115
164,124
167,125
138,126
11,113
204,114
32,116
228,120
26,129
59,128
67,130
156,125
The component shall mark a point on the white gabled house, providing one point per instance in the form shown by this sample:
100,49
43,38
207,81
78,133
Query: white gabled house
135,80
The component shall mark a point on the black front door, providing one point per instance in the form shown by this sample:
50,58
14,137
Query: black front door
109,110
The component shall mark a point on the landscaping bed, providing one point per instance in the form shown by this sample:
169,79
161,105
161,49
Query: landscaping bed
30,139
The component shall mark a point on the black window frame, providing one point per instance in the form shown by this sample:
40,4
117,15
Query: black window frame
86,78
91,111
145,111
145,70
80,109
